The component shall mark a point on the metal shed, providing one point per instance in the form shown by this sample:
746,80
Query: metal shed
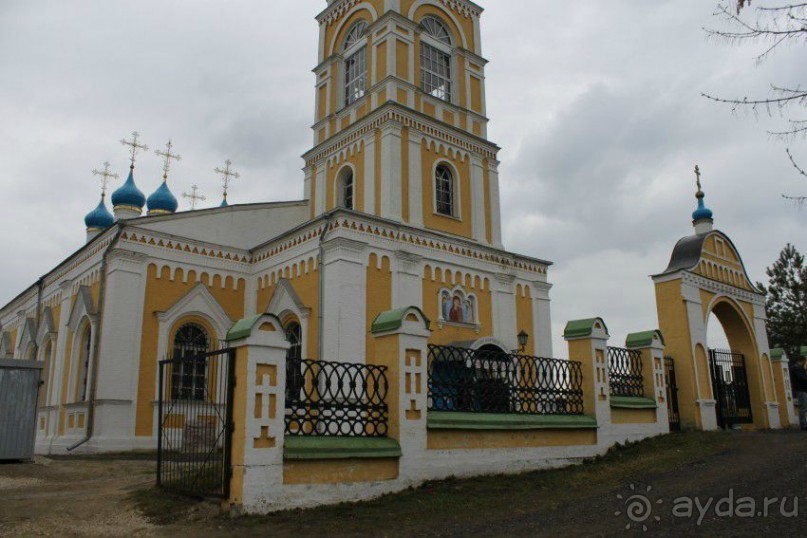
19,389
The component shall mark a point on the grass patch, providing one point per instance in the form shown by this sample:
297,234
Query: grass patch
161,507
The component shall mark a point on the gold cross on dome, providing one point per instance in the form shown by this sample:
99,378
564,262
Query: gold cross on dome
168,156
134,147
227,175
698,176
106,175
194,197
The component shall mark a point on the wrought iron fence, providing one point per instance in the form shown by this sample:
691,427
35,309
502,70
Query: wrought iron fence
672,394
487,381
195,424
625,372
730,386
326,398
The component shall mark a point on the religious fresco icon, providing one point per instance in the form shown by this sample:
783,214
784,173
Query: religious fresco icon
457,307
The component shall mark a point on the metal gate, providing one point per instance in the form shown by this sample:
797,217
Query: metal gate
19,388
195,424
672,394
730,385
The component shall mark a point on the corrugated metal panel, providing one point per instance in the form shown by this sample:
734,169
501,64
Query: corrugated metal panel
19,388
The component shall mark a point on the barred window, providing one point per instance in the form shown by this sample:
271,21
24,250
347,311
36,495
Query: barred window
435,72
346,189
189,375
444,190
355,64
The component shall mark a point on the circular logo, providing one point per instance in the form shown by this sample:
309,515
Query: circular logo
638,508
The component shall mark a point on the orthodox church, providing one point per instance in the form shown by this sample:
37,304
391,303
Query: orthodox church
401,208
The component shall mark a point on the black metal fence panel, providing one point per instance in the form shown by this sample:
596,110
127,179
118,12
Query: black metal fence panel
195,424
325,399
672,394
730,386
625,372
487,381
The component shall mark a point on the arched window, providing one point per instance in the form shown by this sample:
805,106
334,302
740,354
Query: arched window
346,189
189,375
294,366
435,59
44,384
444,191
83,364
355,63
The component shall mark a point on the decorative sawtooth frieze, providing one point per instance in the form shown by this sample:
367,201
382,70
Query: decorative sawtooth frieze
466,9
185,247
722,288
407,119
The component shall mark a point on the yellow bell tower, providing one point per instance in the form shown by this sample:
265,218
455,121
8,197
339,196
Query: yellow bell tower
401,126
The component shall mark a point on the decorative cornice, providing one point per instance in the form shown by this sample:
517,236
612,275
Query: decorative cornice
721,288
392,111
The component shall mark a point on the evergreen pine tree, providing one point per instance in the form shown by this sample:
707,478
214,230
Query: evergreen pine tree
786,301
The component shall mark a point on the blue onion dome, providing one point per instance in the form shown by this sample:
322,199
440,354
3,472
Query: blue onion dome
162,201
99,218
703,212
224,203
129,195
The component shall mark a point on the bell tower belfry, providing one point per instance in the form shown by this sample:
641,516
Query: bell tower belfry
400,126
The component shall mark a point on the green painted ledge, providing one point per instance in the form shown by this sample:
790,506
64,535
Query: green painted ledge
449,420
633,402
777,353
339,448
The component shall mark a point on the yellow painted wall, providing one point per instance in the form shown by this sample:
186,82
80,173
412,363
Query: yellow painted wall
339,471
436,279
633,416
239,424
674,325
379,297
306,285
461,226
524,316
466,439
161,294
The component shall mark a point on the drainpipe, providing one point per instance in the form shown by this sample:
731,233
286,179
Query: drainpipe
320,299
39,285
97,342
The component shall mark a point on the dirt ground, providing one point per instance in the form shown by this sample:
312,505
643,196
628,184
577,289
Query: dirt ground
113,496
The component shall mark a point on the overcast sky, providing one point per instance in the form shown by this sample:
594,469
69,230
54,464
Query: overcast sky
596,105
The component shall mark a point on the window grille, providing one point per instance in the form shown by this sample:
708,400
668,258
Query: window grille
435,28
355,76
355,64
189,377
435,72
444,185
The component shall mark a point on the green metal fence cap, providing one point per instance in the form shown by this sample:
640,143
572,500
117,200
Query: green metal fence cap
777,353
643,339
243,328
392,320
803,351
582,327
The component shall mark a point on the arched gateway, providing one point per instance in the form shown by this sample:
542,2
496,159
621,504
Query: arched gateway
717,388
